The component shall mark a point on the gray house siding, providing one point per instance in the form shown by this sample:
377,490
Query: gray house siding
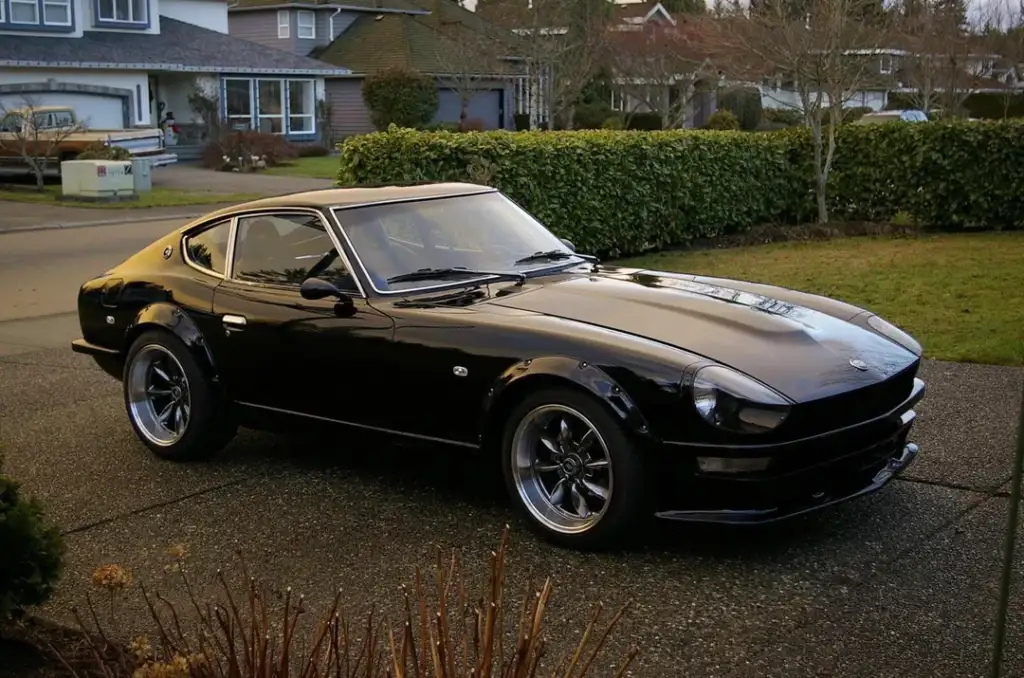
349,114
261,27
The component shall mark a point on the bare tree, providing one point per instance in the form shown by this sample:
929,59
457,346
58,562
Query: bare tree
469,56
1003,22
662,68
563,42
33,134
823,48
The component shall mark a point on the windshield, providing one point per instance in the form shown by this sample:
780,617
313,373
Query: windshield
484,231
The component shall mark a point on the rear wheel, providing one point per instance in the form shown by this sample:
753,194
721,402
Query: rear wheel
173,408
572,469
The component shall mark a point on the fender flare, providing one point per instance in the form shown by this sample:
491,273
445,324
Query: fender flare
580,373
166,316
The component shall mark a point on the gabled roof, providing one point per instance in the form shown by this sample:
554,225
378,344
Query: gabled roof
179,46
386,6
437,43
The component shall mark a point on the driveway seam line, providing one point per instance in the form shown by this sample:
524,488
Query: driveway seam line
988,491
150,507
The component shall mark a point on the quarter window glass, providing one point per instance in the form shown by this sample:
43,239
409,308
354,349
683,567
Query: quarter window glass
287,249
209,248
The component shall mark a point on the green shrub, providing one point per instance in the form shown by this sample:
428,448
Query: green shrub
785,116
723,120
311,150
610,193
645,121
100,151
399,96
591,116
33,552
745,104
613,122
522,121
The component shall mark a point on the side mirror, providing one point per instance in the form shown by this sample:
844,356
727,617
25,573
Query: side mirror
318,288
568,243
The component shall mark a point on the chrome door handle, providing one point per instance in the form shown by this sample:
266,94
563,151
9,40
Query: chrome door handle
234,320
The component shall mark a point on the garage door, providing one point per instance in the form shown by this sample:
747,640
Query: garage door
96,112
484,105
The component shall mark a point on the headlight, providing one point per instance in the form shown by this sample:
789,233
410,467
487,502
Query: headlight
893,333
730,400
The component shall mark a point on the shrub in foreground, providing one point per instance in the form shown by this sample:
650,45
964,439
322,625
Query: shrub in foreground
33,552
101,151
443,632
246,151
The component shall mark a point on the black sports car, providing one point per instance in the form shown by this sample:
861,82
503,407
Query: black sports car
447,313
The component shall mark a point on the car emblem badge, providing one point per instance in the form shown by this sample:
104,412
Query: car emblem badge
460,371
859,364
167,252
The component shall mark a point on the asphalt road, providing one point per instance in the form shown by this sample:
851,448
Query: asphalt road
900,584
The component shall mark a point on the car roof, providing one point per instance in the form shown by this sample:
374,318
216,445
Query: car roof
355,197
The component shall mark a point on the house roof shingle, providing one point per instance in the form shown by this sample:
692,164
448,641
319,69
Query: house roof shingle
178,47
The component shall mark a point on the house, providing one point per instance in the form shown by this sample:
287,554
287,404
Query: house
132,63
472,61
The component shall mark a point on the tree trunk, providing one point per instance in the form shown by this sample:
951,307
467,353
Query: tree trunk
820,179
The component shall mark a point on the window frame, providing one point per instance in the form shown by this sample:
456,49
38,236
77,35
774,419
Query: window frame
360,292
133,21
255,113
288,107
311,15
203,228
284,27
56,3
282,99
38,9
3,9
886,64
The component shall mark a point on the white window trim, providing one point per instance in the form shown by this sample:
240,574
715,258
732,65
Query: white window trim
311,115
305,13
285,116
3,17
132,19
37,11
283,23
885,64
56,3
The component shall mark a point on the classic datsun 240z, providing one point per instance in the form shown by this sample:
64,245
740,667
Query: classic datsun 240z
447,313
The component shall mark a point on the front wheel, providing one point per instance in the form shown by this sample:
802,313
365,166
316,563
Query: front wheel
173,408
572,469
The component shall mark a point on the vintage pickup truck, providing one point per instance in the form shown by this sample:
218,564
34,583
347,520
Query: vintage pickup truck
47,128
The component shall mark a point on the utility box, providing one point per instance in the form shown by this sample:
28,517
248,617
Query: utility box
97,179
142,175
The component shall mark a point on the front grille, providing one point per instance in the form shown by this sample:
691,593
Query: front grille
854,407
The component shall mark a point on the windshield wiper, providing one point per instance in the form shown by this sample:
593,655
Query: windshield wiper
554,254
441,273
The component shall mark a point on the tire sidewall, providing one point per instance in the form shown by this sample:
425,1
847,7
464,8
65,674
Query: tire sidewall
626,461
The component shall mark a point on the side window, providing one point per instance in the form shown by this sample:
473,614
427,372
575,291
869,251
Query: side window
284,250
209,248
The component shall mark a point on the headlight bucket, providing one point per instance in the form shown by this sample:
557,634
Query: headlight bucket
894,334
734,402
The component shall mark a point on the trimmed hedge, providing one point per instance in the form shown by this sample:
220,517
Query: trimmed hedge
617,193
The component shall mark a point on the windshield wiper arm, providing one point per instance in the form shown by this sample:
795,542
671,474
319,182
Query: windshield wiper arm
441,273
554,254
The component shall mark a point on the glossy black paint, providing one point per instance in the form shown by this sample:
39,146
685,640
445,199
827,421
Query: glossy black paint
449,363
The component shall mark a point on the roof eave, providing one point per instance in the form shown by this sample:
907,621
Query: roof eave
344,7
166,67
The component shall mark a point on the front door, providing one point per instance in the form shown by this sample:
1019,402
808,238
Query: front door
278,350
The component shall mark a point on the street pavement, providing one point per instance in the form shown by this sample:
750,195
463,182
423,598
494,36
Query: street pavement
900,584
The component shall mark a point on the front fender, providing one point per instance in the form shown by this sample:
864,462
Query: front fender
166,316
514,382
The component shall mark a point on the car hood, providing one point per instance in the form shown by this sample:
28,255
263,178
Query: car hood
801,352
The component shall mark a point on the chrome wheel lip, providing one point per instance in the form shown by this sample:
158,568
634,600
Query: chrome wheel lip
535,496
150,393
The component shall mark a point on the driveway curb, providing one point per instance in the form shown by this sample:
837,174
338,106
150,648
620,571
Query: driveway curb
101,222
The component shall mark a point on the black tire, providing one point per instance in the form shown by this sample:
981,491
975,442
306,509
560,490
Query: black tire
625,505
209,426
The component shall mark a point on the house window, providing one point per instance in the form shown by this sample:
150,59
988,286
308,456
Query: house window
238,104
123,11
885,64
3,17
305,25
24,12
301,106
57,12
618,100
282,23
271,106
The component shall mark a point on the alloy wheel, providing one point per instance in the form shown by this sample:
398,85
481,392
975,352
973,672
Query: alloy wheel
562,468
159,399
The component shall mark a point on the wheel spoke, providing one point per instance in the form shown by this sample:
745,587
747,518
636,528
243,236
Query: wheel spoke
544,467
154,391
595,489
586,442
596,464
564,433
186,412
558,493
551,445
165,414
579,503
178,418
163,375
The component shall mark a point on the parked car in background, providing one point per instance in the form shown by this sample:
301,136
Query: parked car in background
57,131
604,393
910,115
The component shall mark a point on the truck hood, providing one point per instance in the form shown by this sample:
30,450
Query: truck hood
803,353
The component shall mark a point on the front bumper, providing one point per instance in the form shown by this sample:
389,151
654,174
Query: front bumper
807,475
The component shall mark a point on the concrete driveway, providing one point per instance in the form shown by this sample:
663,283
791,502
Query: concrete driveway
900,584
190,176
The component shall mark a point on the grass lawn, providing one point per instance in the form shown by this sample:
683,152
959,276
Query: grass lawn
158,197
323,167
960,295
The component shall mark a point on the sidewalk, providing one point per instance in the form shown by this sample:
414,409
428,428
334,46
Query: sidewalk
19,216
